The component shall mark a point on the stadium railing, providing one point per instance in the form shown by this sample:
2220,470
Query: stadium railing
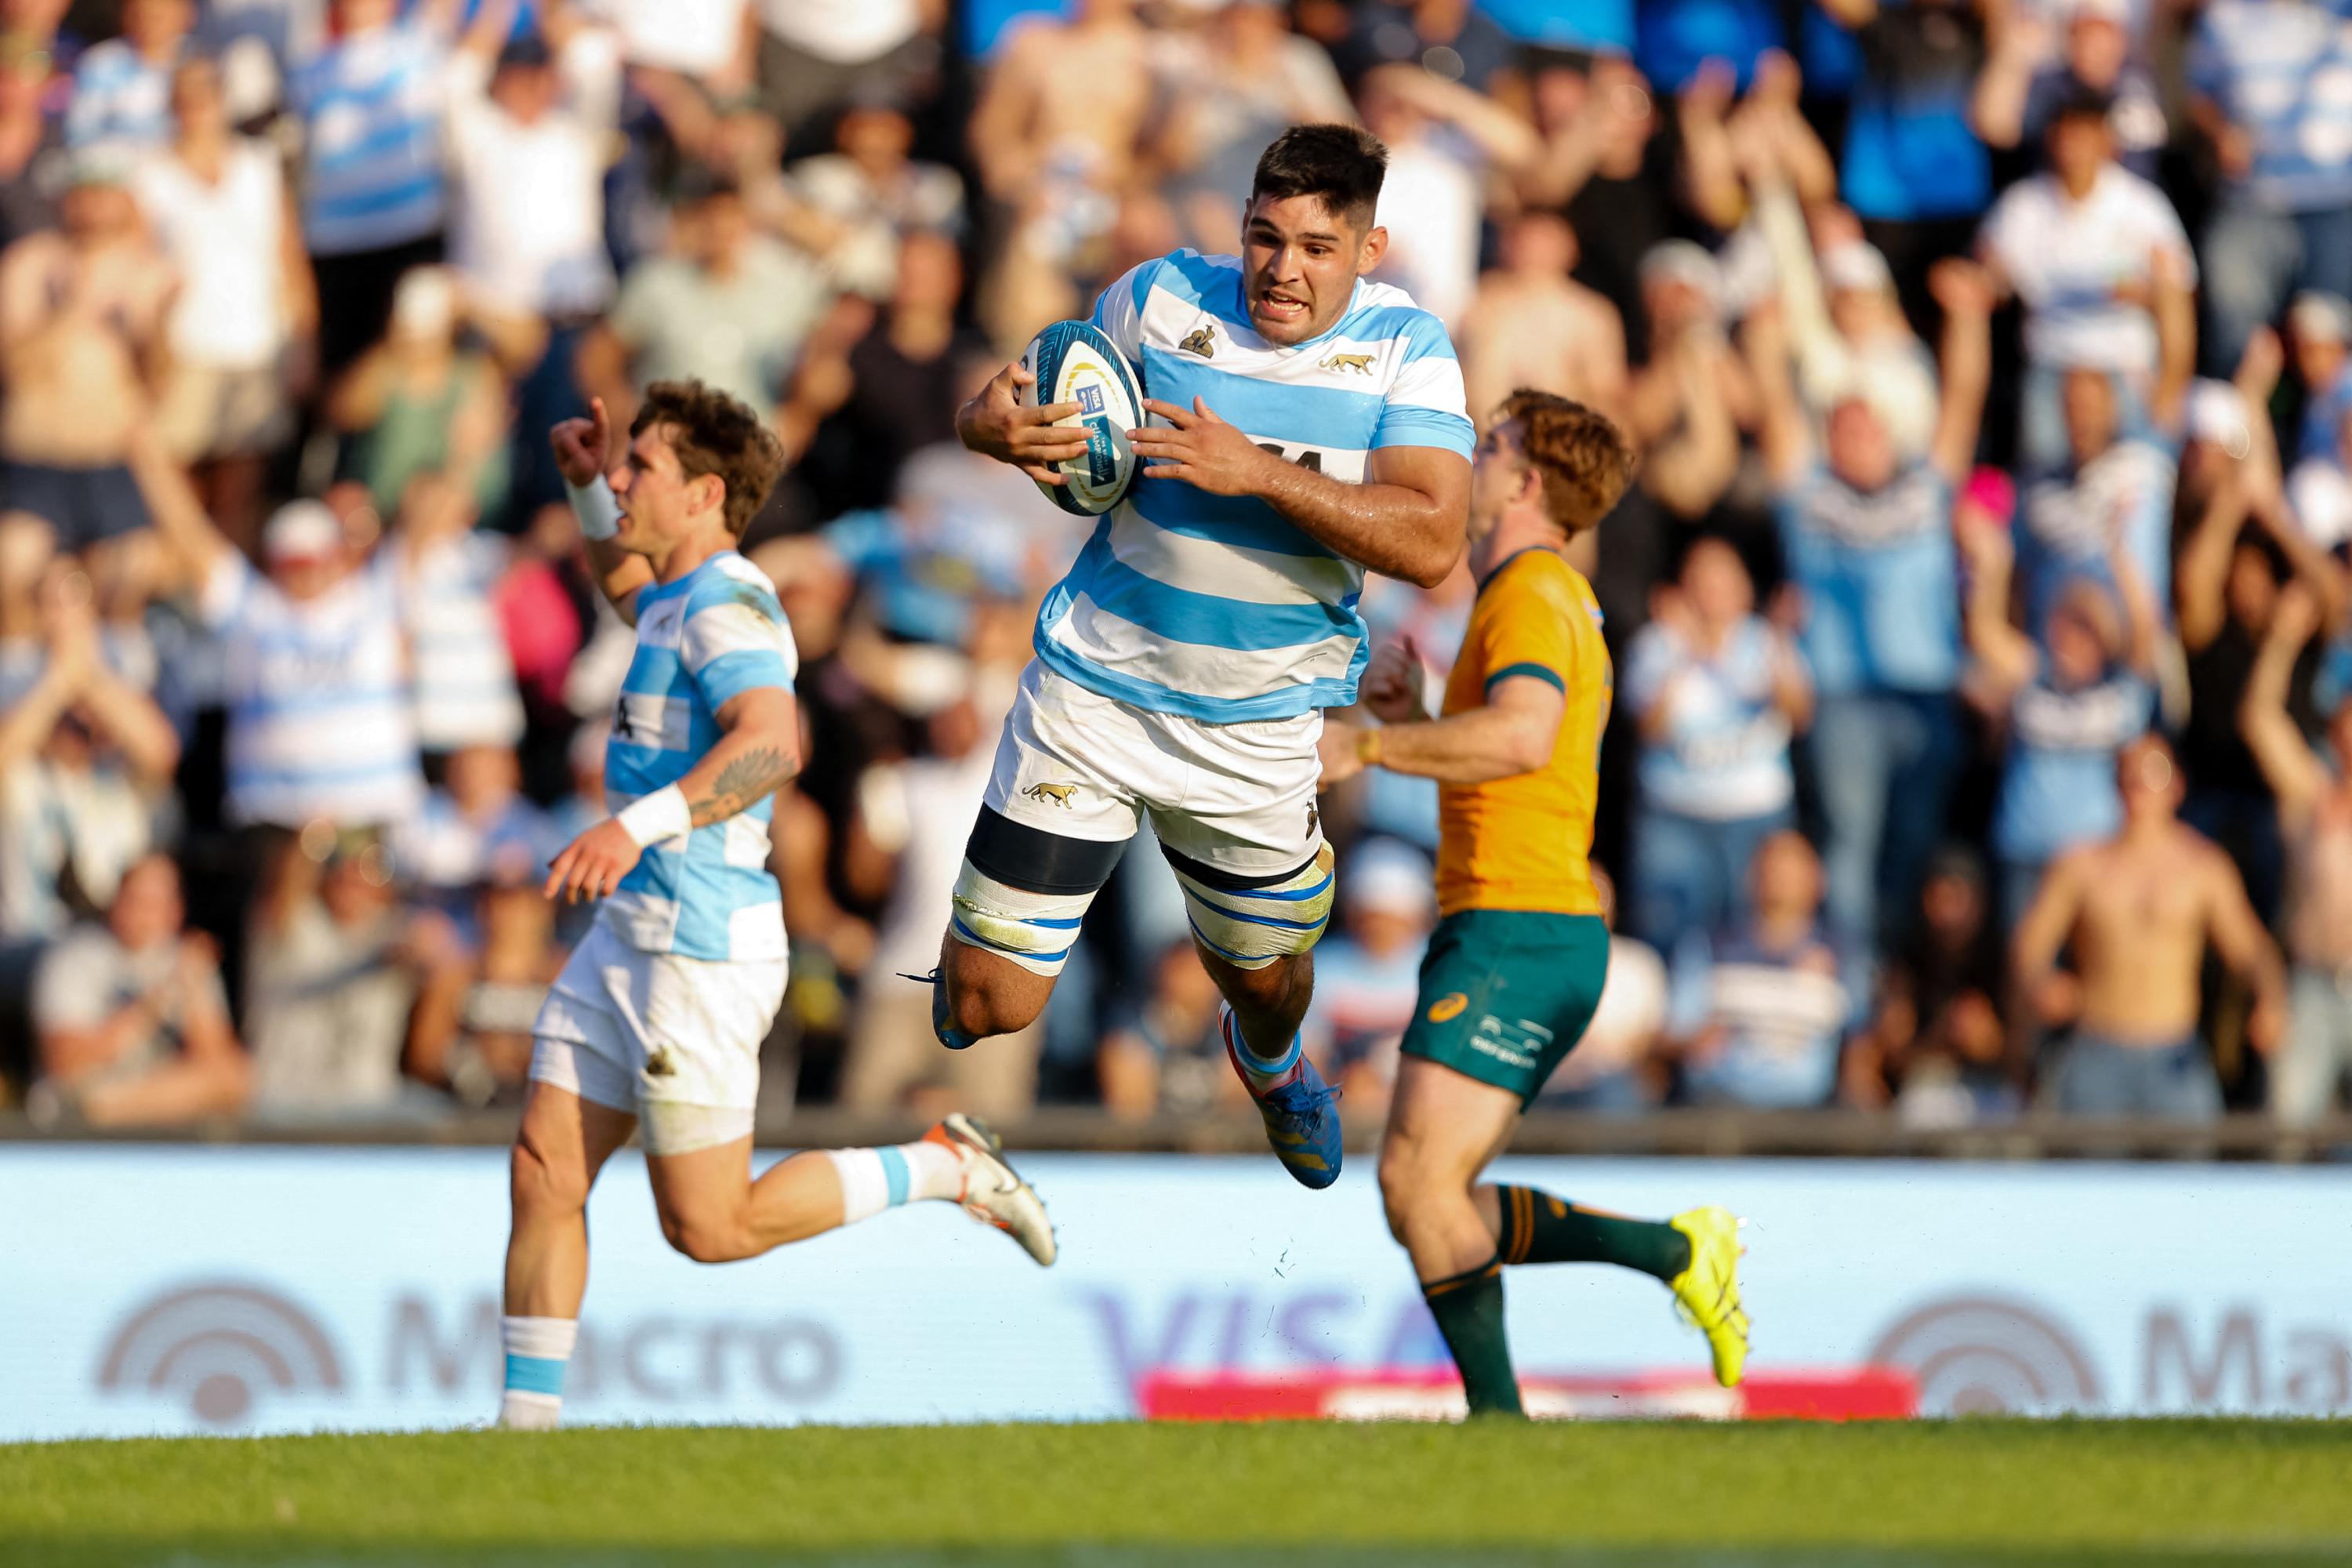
1679,1133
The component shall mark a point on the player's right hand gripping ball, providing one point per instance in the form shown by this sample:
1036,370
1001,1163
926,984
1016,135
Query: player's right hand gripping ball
1074,362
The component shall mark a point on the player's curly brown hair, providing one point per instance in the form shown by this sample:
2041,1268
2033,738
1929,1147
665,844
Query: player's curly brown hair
713,433
1585,460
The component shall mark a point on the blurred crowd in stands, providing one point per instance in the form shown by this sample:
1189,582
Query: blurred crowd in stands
1983,734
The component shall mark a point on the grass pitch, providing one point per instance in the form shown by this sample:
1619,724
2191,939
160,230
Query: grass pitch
1096,1496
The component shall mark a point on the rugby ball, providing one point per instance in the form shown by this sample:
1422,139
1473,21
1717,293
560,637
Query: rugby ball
1074,362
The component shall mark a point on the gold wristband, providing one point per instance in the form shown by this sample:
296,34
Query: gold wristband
1368,747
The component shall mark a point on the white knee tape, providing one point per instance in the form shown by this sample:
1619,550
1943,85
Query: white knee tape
1035,930
1250,928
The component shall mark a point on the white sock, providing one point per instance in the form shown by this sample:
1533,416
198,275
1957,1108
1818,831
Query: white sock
873,1179
538,1349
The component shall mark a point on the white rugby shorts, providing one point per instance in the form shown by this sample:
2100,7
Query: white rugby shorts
675,1040
1233,807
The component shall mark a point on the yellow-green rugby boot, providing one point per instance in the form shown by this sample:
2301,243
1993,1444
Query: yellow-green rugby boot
1707,1292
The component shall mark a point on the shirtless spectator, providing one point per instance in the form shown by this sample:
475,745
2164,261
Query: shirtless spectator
1057,160
2138,909
1533,325
131,1023
81,348
2314,804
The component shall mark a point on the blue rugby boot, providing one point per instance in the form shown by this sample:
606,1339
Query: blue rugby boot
1301,1121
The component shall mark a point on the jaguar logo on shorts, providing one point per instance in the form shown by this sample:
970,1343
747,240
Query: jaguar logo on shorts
659,1063
1059,793
1448,1007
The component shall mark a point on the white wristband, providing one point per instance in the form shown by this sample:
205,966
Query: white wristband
661,814
596,507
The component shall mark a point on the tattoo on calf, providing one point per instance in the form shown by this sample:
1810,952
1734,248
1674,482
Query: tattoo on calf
741,781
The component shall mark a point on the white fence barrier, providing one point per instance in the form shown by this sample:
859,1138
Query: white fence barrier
163,1288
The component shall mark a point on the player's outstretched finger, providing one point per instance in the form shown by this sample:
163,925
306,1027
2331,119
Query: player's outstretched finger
1017,374
1044,475
1040,417
1182,418
556,874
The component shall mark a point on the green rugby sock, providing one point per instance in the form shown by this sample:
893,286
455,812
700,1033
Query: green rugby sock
1540,1229
1468,1308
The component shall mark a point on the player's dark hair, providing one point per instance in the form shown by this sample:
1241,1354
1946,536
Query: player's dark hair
714,434
1585,460
1340,163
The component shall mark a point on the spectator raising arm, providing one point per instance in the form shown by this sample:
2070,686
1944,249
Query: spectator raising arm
179,514
2201,571
1782,434
2004,659
1710,171
2174,305
2016,43
1616,107
1965,294
1509,143
2296,773
1691,469
2244,946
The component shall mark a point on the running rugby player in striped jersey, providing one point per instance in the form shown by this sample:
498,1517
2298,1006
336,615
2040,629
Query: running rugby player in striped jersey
1304,427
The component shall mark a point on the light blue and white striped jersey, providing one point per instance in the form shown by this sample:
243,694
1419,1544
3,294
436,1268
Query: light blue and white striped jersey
2283,69
702,641
319,723
1880,579
120,99
370,106
1724,753
1217,607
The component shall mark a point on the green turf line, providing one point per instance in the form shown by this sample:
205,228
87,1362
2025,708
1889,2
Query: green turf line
2027,1493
